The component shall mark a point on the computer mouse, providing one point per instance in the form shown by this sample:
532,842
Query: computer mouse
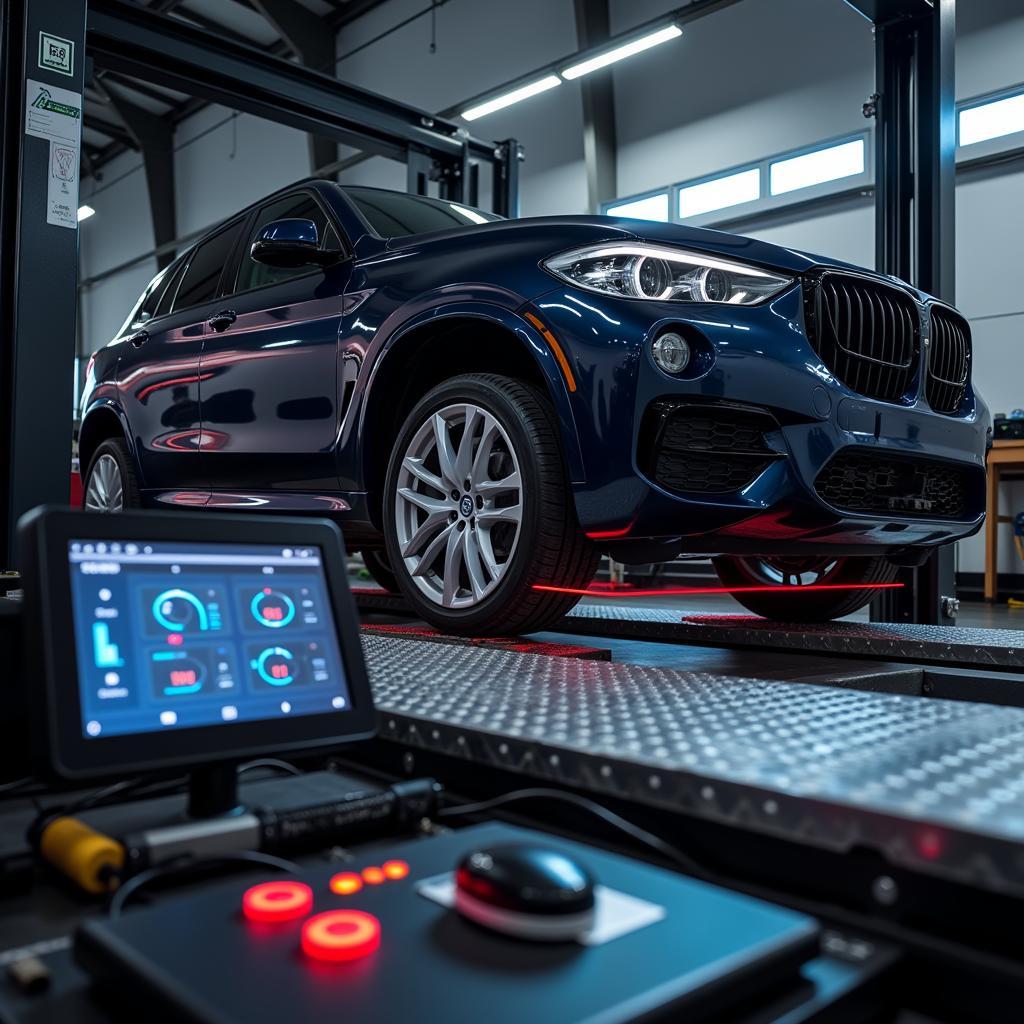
526,891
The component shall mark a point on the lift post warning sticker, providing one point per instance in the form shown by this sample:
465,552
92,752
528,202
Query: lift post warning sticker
56,115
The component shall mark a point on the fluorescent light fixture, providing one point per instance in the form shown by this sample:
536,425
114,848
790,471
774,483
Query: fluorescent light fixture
814,168
602,60
717,194
507,99
84,212
992,120
648,208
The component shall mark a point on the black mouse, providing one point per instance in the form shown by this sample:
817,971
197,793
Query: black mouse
524,890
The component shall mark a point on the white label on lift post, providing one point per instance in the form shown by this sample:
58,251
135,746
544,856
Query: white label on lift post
56,115
56,54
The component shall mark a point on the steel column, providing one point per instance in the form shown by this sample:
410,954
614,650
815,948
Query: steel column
915,215
38,272
597,93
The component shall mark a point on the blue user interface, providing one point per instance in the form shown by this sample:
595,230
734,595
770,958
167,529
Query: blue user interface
174,635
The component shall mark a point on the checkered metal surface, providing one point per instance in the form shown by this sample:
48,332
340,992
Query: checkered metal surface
937,786
958,645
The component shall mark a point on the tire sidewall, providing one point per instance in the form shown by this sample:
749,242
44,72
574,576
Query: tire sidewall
117,449
519,576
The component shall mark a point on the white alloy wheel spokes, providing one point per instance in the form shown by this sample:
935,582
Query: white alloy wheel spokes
105,492
458,505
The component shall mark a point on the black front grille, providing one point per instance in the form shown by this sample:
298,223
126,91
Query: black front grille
897,486
865,331
705,449
949,362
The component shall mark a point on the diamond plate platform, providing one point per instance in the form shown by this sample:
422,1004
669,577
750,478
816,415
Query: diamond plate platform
948,645
936,786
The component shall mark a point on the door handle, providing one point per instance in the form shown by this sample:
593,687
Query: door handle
223,320
139,338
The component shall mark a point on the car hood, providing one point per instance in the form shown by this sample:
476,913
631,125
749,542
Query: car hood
582,230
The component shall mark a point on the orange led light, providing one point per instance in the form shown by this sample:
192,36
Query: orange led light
373,876
340,935
346,883
395,869
277,901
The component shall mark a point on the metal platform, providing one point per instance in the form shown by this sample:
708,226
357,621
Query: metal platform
936,786
960,646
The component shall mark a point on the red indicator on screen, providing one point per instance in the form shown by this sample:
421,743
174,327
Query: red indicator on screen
395,870
271,613
183,677
279,671
175,639
373,876
346,883
277,901
340,935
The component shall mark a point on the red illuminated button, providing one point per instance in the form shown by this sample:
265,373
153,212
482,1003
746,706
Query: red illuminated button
346,883
277,901
340,935
373,876
395,870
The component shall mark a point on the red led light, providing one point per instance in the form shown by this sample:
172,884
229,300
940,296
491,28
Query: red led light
346,883
676,591
930,844
340,935
277,901
373,876
175,639
609,534
395,869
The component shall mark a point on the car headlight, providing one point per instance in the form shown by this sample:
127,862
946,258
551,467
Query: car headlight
636,270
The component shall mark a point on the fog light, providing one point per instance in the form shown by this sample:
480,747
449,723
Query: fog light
671,352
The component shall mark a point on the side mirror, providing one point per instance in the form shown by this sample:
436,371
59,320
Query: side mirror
291,243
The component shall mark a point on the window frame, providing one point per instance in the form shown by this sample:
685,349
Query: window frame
250,227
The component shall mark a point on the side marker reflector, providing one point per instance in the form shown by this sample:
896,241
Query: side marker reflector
552,341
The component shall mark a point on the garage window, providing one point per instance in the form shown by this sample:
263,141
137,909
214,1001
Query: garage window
200,282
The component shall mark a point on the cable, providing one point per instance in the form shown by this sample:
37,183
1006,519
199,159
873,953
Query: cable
133,885
269,762
610,817
16,784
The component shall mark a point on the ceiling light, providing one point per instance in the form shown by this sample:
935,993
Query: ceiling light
602,60
85,212
524,92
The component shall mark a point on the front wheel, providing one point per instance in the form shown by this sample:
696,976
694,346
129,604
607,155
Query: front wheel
478,510
855,580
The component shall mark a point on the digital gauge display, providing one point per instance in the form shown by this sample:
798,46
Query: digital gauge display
173,635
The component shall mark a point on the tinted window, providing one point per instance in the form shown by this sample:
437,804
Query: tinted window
396,213
303,206
174,278
203,275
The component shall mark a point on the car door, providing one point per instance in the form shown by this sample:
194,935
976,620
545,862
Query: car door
158,373
269,373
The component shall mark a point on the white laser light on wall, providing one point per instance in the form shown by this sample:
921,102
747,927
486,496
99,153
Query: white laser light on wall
719,193
992,120
602,60
84,212
515,96
822,165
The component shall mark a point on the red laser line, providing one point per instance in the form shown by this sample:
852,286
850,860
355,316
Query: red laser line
678,591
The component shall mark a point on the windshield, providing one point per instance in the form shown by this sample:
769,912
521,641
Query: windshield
393,214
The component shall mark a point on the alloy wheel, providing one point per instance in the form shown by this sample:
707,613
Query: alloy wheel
105,492
458,505
793,572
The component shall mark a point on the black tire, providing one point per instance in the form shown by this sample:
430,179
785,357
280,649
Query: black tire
378,566
115,448
811,605
551,548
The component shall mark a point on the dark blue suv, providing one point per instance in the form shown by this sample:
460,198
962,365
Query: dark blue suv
487,405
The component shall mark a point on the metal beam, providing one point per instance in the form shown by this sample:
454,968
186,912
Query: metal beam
915,176
169,52
114,131
310,39
154,137
38,272
593,27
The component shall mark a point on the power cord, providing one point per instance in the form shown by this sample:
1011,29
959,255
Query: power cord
641,835
144,878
